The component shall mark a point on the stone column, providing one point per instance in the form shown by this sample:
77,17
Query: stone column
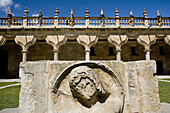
25,41
167,39
87,41
146,41
2,40
118,41
56,41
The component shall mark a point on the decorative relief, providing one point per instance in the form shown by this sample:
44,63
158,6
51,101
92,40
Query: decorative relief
25,41
87,41
2,40
146,41
87,87
167,39
56,41
118,41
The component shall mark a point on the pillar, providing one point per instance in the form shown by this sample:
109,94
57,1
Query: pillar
87,41
146,41
25,41
118,41
56,41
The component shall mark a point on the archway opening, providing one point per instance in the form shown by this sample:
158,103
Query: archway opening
3,64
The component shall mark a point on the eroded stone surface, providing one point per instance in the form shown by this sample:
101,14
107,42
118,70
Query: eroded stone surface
86,86
130,88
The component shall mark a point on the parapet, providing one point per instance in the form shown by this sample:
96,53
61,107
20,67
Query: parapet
83,22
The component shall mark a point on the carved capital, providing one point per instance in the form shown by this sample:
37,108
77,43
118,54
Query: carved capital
87,41
2,40
118,41
25,41
146,41
167,39
56,41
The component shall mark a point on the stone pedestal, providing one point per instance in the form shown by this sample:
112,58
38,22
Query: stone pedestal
89,87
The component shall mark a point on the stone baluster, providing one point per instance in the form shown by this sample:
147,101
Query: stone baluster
56,41
25,41
118,41
117,17
87,17
9,21
146,22
56,17
167,39
87,41
159,19
2,40
25,20
146,41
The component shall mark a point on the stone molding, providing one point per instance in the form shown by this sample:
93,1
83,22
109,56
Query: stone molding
167,39
146,41
56,41
25,41
118,41
87,41
2,40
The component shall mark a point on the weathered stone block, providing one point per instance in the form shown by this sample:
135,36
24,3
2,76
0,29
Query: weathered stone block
89,86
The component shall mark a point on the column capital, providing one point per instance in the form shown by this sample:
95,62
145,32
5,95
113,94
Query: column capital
2,40
146,41
167,39
87,41
25,41
56,41
118,41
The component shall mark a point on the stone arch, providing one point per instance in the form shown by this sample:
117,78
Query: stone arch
71,50
90,64
3,63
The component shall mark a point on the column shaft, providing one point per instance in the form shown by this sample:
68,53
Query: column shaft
147,55
87,55
118,56
55,55
24,57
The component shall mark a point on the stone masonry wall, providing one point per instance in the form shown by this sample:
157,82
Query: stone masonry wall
116,86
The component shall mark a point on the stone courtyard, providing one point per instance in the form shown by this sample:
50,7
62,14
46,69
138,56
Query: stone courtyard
86,64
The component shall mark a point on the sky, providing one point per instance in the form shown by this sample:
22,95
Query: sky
79,6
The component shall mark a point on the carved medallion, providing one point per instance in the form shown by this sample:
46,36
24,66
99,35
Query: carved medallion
87,87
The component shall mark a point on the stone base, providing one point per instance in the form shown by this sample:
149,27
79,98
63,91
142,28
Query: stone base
94,87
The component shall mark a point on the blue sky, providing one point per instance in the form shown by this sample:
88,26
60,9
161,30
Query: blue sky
48,7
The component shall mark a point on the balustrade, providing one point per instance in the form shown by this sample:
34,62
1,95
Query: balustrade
3,21
86,21
32,21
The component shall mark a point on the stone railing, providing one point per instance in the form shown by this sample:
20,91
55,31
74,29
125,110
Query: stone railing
87,21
